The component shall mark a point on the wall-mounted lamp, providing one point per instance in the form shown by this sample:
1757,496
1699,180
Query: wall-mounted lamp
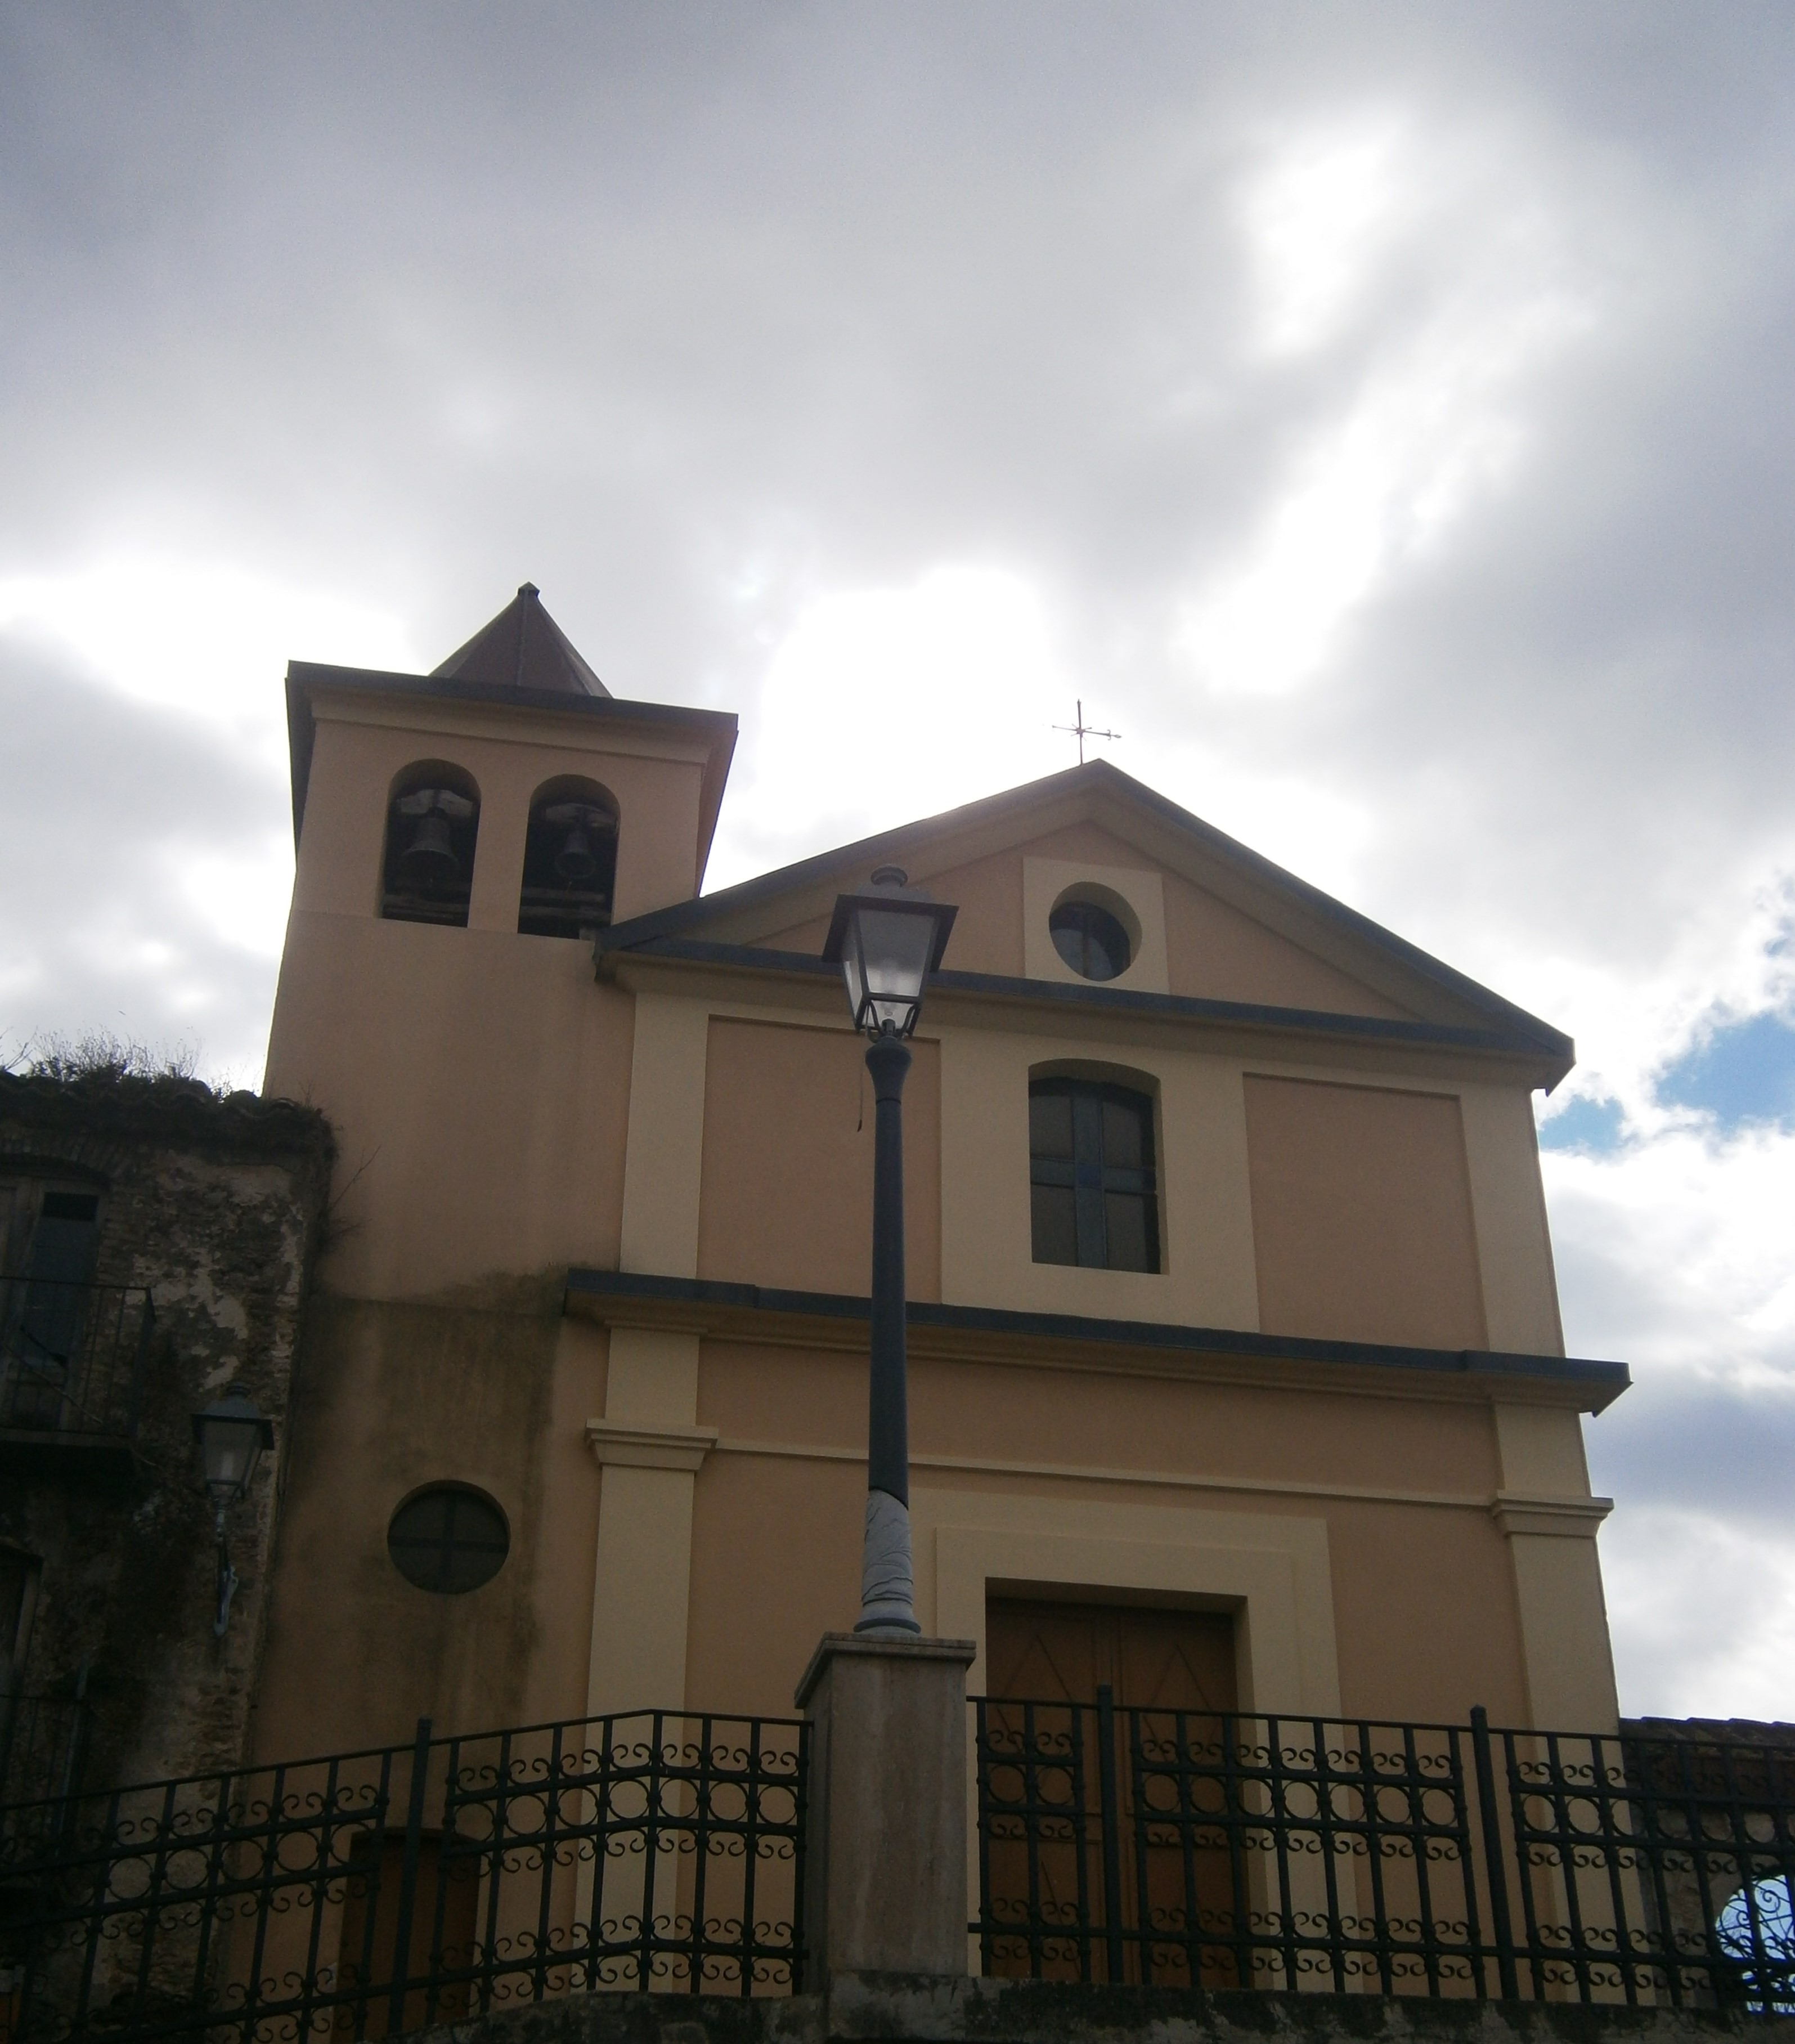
232,1436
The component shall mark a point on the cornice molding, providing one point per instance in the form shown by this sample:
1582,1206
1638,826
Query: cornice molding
722,1310
1560,1518
615,1443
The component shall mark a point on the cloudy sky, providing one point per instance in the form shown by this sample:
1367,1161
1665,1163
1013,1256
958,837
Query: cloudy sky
1380,415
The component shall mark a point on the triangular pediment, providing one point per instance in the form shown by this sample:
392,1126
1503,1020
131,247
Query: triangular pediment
1234,927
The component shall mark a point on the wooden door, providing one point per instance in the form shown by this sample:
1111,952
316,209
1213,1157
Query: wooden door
366,1957
1178,1668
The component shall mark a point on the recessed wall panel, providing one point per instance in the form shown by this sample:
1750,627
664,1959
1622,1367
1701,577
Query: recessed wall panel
787,1193
1362,1224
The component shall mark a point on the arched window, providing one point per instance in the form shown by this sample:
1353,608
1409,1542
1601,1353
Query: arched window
1094,1192
570,860
432,820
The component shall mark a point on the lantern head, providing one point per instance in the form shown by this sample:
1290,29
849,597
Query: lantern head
887,941
232,1436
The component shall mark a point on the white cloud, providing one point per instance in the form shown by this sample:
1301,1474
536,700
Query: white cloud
883,704
1436,421
1675,1252
241,895
1317,217
207,637
1703,1614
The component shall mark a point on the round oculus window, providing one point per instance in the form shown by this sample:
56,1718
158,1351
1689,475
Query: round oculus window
1090,940
449,1538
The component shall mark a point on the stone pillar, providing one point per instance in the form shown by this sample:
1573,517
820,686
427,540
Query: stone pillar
885,1871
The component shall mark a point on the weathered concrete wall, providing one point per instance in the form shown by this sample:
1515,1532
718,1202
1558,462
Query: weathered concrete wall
483,1387
894,2009
216,1205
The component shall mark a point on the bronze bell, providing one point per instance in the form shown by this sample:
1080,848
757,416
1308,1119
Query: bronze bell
576,860
430,855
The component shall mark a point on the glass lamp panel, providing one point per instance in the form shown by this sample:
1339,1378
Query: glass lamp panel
230,1450
896,947
851,973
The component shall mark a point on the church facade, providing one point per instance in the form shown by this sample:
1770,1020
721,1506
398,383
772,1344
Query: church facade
1237,1372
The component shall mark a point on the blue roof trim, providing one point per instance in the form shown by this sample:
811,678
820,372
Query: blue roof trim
1097,776
1109,999
1604,1381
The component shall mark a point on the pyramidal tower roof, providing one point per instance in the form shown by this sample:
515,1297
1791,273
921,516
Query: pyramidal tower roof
522,649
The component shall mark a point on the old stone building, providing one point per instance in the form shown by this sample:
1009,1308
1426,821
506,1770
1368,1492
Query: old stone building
158,1242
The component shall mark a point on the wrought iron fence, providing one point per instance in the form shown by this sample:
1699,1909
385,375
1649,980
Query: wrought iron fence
369,1893
1274,1854
72,1356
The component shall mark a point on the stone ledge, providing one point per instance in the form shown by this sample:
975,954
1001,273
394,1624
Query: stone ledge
879,1647
683,1448
888,2008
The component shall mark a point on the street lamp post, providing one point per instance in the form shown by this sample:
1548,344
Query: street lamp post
887,941
233,1436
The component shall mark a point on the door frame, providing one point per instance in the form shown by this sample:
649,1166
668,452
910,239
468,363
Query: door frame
1273,1569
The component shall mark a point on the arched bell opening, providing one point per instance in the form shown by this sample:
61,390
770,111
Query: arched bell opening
432,821
570,860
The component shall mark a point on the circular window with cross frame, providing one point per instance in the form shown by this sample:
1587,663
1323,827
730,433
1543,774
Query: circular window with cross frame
448,1537
1095,932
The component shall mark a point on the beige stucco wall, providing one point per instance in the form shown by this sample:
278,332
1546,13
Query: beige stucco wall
1412,1609
1470,1224
1197,944
390,1396
478,1084
478,1080
786,1196
1507,1202
1205,1278
1427,1608
685,1507
363,740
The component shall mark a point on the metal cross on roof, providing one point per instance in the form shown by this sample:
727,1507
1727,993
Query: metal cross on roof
1082,731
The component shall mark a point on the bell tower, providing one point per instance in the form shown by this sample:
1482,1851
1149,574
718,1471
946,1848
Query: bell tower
461,836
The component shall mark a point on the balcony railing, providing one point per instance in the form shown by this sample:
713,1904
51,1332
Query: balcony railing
373,1892
72,1357
1273,1853
43,1742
